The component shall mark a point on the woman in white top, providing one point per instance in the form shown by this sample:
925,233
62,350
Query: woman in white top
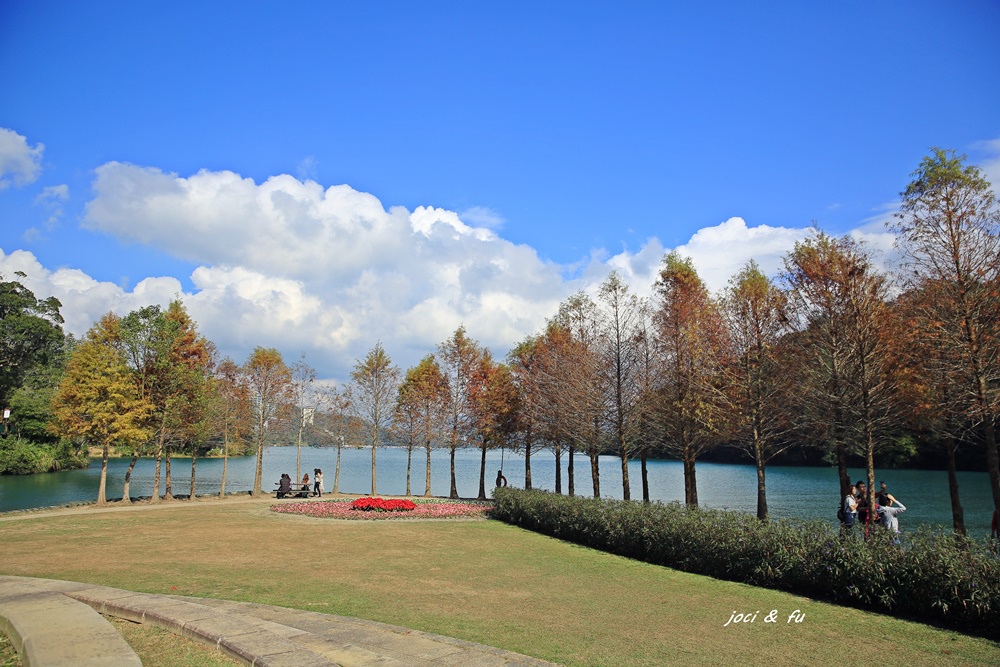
318,482
850,508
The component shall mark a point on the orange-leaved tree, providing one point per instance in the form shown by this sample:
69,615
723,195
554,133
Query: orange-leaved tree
269,381
97,401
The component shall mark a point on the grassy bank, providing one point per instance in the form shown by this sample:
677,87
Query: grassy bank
482,581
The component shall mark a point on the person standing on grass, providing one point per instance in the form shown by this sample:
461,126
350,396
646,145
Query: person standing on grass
850,509
317,482
888,513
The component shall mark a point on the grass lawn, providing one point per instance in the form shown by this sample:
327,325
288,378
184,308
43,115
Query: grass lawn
477,580
157,647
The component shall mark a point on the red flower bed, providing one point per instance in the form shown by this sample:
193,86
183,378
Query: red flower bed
369,504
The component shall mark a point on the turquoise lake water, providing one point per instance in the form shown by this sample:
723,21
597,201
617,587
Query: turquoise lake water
803,492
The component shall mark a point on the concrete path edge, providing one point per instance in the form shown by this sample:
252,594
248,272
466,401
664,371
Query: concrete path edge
259,635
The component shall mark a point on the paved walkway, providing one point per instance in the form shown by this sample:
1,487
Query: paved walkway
56,623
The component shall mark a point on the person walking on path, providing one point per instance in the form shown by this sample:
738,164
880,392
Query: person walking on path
317,482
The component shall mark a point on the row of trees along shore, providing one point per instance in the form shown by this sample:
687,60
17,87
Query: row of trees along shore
835,356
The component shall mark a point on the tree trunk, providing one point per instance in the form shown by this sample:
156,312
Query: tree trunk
558,469
454,486
482,474
298,451
126,491
168,493
336,473
225,464
102,498
626,487
845,480
870,474
427,483
570,477
758,451
957,513
645,476
427,445
527,465
259,470
161,439
595,472
374,442
409,459
194,463
154,497
690,481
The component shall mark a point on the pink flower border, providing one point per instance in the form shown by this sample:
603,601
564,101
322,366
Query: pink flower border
425,509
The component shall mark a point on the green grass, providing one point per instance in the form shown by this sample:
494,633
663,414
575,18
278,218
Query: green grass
481,581
8,656
157,647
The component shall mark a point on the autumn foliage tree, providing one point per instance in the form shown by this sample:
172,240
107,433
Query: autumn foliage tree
374,385
621,348
948,226
231,410
495,408
573,369
754,309
459,356
690,341
420,405
269,383
97,400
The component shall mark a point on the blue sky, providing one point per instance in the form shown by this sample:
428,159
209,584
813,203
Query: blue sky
486,159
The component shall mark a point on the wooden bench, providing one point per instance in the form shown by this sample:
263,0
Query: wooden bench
299,490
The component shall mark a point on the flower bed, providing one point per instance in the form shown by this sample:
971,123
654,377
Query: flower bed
422,509
370,504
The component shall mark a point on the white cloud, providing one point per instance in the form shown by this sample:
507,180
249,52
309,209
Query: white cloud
84,299
51,198
53,193
990,166
328,270
483,217
308,169
20,164
289,264
719,252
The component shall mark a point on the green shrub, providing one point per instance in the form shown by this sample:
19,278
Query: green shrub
929,576
19,456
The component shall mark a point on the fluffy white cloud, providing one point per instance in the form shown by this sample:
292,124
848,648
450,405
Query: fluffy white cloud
20,164
84,299
327,270
289,264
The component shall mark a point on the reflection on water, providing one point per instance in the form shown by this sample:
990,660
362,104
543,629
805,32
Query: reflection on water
809,493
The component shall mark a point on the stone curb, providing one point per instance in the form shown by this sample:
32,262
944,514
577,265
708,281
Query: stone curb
268,636
49,629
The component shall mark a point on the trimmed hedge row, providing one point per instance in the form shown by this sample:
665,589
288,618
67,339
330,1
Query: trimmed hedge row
931,576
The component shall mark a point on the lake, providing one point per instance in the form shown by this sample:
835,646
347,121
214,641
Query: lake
803,492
